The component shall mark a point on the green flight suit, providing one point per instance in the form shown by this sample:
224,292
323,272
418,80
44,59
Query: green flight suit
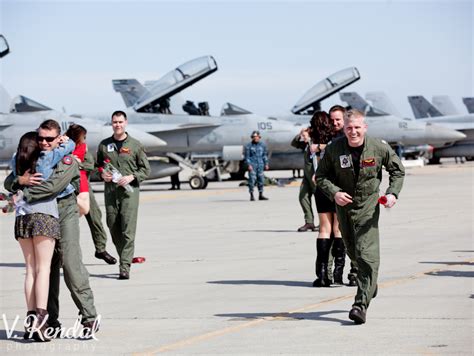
358,221
121,205
75,273
94,217
307,187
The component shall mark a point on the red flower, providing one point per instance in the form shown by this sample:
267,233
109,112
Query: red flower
383,200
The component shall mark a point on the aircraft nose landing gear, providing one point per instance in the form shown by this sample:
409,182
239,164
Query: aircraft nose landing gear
197,182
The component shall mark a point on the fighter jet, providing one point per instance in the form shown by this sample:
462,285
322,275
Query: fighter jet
24,114
206,144
426,112
469,102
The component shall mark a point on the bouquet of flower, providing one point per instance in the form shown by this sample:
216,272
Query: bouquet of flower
116,175
10,205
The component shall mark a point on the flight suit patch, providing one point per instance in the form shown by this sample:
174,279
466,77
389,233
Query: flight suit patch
125,150
110,147
368,162
67,160
345,161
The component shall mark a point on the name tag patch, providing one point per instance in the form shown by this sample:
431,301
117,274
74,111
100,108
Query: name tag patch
110,147
345,161
368,162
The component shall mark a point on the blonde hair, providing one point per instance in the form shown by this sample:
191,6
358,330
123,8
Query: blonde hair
352,114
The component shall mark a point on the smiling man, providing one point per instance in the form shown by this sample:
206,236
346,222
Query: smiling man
122,189
350,173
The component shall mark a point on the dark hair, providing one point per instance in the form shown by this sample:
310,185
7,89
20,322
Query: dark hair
119,113
337,108
27,153
75,131
50,125
322,129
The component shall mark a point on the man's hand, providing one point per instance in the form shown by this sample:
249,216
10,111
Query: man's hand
125,180
250,168
267,167
342,198
63,139
106,176
28,179
391,200
313,148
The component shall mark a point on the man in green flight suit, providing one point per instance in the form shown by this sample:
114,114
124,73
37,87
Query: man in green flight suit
350,173
70,255
94,217
127,156
307,187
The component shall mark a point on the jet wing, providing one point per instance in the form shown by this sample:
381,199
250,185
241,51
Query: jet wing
326,88
175,81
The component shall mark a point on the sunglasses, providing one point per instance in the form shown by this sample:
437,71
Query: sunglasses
47,139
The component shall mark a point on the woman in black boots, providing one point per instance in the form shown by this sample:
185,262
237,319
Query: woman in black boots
322,131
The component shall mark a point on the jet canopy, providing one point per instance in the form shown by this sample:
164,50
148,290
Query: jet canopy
23,104
4,48
326,88
232,109
175,81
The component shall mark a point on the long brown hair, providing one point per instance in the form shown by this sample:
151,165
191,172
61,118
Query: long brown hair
27,153
75,132
322,129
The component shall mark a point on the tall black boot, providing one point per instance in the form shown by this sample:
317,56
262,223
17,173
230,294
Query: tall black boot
339,253
29,320
323,246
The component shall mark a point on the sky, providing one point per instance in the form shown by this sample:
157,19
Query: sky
65,54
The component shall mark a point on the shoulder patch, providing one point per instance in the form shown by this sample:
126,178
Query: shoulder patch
67,160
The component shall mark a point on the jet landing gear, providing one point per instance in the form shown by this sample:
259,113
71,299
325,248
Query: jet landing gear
198,182
198,178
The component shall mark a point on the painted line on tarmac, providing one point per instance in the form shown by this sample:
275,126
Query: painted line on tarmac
283,315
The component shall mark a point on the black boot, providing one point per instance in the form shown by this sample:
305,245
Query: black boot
252,198
323,247
339,254
29,320
261,197
41,326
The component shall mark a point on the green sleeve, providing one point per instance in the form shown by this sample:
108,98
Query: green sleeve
89,163
62,175
396,171
143,166
297,143
325,174
11,183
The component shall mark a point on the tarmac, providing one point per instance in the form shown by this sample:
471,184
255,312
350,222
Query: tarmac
224,275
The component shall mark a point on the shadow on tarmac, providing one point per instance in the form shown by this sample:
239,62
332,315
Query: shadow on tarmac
106,275
465,274
460,263
267,231
266,283
320,316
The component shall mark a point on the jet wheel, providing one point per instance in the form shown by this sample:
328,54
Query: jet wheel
197,182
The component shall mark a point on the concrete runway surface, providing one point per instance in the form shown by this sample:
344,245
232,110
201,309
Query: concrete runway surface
227,276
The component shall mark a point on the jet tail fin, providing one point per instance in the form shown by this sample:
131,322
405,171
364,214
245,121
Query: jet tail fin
422,108
444,104
130,89
469,102
381,101
354,100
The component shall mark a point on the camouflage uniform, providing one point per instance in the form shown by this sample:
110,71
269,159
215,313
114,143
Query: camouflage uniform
256,157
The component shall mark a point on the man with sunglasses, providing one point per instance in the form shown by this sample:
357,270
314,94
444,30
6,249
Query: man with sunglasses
60,184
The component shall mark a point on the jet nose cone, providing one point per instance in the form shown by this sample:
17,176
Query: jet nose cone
148,141
436,134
